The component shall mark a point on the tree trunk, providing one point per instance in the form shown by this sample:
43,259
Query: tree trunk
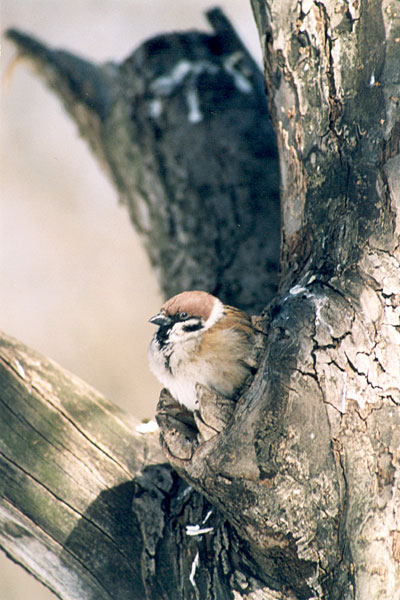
302,480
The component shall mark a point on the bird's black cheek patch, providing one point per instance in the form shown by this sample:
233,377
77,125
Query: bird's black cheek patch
163,335
192,326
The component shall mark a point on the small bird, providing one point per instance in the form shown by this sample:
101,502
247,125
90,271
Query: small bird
201,340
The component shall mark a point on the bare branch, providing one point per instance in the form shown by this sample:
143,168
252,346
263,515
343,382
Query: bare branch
182,128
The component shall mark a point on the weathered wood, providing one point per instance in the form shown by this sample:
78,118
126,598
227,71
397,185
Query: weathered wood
332,72
86,504
306,472
68,462
182,128
307,469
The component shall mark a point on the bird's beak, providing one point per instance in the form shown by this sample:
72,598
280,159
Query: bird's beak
160,319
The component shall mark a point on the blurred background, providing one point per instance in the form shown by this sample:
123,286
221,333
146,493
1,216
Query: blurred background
75,282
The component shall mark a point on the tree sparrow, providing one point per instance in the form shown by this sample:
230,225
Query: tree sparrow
201,340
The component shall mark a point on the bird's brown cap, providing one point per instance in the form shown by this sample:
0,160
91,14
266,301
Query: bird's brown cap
195,303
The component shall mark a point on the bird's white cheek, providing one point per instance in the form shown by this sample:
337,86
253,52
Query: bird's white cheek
179,339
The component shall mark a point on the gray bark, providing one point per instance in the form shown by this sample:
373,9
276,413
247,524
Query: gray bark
306,471
88,505
182,128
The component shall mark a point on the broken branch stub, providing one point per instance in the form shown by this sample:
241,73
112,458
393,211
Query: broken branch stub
182,129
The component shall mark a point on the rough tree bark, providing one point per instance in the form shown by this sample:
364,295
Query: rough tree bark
182,128
303,480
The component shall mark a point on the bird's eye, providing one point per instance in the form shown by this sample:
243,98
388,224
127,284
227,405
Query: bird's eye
183,315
